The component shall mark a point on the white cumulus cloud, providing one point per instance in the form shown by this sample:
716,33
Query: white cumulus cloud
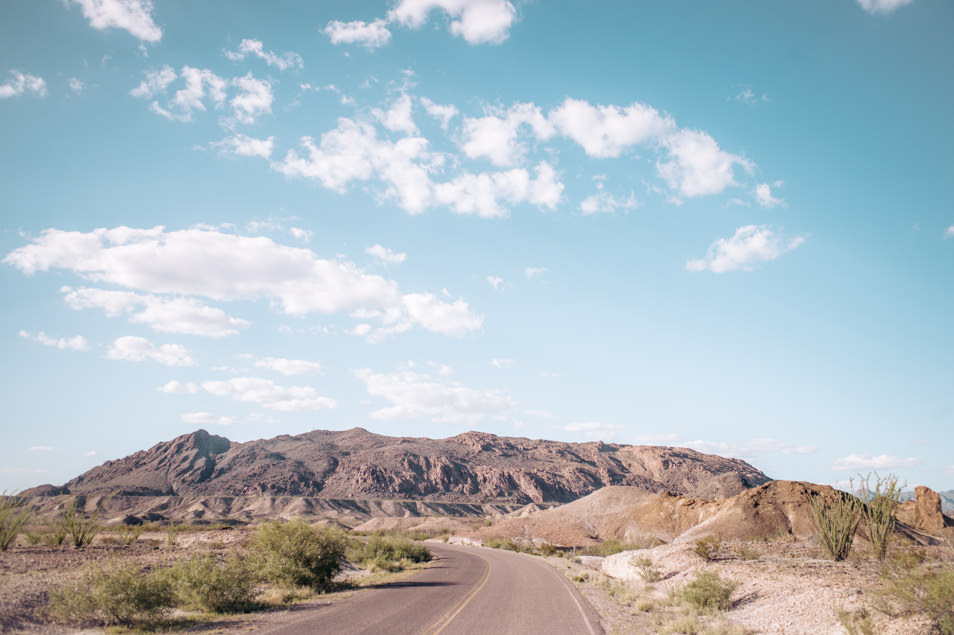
207,418
157,81
748,448
534,272
749,246
418,395
477,21
288,366
139,349
282,62
860,462
386,255
882,6
495,281
696,166
608,131
175,387
372,35
75,343
443,113
763,195
21,84
211,264
353,152
605,203
241,145
134,16
502,362
253,100
163,314
270,395
397,118
495,135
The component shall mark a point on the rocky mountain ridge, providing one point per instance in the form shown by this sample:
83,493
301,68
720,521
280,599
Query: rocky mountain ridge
473,467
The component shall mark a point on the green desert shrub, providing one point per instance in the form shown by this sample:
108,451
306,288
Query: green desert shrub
388,553
707,548
836,523
130,533
547,549
54,533
123,595
13,515
507,544
921,590
293,553
646,569
881,501
209,583
859,622
78,528
611,547
708,591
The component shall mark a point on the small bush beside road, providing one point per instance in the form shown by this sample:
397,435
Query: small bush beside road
293,553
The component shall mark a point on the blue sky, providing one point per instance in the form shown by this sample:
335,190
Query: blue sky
722,225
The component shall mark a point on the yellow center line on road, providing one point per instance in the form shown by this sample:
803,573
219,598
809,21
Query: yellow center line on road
449,616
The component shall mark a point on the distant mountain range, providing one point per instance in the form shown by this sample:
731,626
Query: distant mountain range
473,467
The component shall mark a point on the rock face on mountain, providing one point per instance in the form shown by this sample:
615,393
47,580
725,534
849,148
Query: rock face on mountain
473,467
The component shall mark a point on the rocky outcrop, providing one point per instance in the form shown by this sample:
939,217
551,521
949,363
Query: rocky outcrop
473,467
772,510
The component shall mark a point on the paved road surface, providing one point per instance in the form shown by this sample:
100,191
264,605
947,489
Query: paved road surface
467,590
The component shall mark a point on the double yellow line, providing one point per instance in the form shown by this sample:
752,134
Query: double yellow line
449,616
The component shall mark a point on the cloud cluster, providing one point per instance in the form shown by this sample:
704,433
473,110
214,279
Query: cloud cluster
862,462
353,152
749,246
241,145
210,264
134,16
269,395
175,387
696,166
882,7
419,396
372,35
749,448
22,84
764,197
282,62
605,203
163,314
253,98
476,21
76,343
386,255
288,366
139,349
207,419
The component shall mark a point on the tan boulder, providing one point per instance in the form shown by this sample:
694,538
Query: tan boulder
927,511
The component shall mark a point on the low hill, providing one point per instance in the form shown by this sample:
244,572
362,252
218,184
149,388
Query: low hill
774,509
473,467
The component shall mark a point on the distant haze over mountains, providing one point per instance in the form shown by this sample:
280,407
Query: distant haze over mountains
473,467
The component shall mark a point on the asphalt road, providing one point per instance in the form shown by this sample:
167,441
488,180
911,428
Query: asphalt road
467,590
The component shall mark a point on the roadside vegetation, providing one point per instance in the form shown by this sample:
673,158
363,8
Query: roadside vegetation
281,562
13,515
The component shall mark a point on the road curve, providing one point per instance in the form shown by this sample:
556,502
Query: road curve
467,590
